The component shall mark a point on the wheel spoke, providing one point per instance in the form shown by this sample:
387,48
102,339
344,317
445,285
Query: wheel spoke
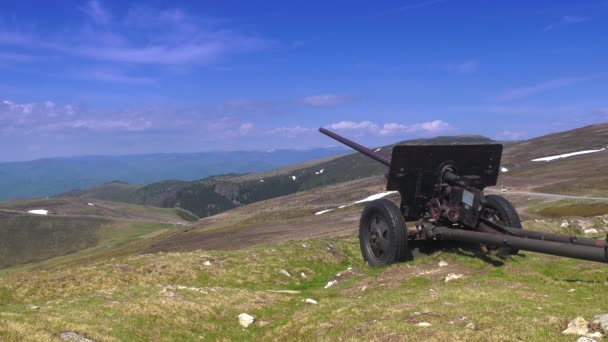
384,245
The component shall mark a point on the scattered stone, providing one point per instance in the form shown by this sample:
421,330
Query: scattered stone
304,245
471,326
571,290
246,320
285,291
453,276
363,288
348,270
331,283
424,324
207,263
591,231
310,301
602,321
303,275
262,323
585,339
564,224
578,326
33,307
416,313
285,273
73,337
442,263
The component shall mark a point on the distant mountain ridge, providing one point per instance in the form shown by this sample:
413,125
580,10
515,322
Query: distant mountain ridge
215,194
47,177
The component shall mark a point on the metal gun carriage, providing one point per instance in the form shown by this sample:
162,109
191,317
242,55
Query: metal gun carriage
442,190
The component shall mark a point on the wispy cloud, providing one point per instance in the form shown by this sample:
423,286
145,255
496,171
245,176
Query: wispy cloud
142,36
518,93
566,20
325,100
465,67
419,4
111,75
96,12
16,57
390,129
511,135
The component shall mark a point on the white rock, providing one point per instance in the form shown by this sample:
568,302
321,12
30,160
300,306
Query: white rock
564,224
363,288
32,307
571,290
261,181
303,275
310,301
91,204
331,283
585,339
294,178
453,276
504,169
285,273
73,337
207,263
602,321
304,245
471,326
591,231
596,334
424,324
246,319
39,212
442,263
578,326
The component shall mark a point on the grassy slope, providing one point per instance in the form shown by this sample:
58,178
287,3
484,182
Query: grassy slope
112,292
577,175
73,225
131,298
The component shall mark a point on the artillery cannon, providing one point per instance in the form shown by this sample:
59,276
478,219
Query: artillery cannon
441,188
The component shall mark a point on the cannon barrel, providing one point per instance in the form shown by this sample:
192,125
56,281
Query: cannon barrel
375,156
584,252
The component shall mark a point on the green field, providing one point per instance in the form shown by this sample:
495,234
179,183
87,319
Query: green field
175,296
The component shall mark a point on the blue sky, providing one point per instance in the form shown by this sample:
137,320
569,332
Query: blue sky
115,77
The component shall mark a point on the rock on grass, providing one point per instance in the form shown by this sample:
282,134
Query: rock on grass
577,326
246,320
73,337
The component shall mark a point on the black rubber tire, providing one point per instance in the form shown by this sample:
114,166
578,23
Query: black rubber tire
507,215
382,234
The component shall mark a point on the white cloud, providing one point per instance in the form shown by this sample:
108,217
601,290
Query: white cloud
111,75
465,67
567,20
512,135
289,132
246,128
518,93
325,100
149,36
96,12
390,129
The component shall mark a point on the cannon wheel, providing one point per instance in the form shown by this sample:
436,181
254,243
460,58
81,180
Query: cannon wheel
501,210
382,233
